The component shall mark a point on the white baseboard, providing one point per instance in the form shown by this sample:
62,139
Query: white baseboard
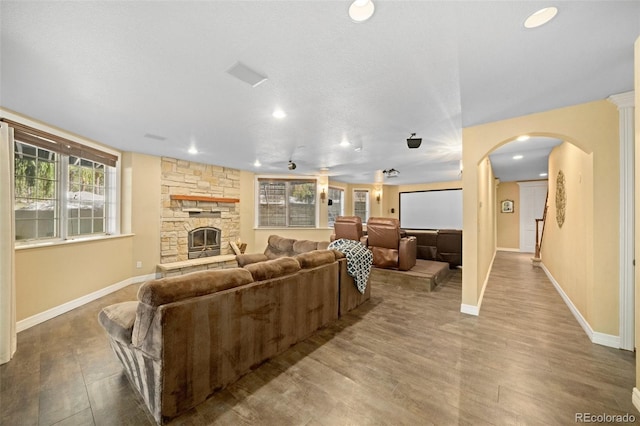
470,309
66,307
635,398
595,337
475,309
516,250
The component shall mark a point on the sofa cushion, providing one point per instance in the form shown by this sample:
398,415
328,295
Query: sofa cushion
247,259
273,268
315,258
339,254
279,247
118,320
323,245
194,284
303,246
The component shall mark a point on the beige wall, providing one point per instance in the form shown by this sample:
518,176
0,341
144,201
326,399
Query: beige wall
49,276
247,211
567,252
479,231
508,224
141,209
486,222
593,127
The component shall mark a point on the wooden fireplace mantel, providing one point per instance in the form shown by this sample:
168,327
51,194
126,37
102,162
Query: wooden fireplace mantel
204,198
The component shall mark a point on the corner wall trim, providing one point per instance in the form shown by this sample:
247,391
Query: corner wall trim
635,398
475,309
72,304
595,337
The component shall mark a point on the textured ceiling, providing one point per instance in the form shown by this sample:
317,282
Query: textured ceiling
115,71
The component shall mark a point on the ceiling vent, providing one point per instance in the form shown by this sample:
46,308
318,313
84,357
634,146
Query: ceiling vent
155,137
246,74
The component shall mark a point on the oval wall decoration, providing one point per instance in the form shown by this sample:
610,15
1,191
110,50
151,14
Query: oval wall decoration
561,199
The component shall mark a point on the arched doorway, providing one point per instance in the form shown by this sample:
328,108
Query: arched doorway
593,129
521,168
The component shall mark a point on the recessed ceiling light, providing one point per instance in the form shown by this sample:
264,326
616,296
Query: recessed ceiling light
518,157
344,142
540,17
193,150
361,10
279,114
357,149
523,138
543,175
257,163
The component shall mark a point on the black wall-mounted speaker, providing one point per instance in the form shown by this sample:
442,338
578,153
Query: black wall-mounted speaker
414,142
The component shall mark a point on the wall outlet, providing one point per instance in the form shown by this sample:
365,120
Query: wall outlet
139,264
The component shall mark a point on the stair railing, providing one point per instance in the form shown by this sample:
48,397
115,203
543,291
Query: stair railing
541,234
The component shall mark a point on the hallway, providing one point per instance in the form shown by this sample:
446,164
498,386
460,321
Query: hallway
549,368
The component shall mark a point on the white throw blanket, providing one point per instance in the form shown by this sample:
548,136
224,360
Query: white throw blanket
359,260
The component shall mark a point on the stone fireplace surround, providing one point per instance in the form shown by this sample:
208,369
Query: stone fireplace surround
180,177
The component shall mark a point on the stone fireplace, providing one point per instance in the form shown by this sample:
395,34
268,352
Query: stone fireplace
198,196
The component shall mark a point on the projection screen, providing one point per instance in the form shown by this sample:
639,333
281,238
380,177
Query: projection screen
440,209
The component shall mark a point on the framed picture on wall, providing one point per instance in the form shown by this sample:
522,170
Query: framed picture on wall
506,206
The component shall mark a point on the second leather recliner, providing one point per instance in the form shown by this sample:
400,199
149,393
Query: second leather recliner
390,250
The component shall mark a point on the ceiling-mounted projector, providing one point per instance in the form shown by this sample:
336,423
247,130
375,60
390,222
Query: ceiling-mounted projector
413,142
292,165
390,173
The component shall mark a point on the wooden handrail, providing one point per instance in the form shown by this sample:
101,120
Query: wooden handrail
543,220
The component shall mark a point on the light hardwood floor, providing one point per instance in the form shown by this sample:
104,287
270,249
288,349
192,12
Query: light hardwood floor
406,357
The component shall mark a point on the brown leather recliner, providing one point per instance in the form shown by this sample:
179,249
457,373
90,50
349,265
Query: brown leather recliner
390,250
450,246
349,227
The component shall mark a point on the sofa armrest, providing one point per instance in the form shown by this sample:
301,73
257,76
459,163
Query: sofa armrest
118,320
246,259
407,253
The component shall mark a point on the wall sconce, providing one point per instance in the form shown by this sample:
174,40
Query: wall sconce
323,195
378,196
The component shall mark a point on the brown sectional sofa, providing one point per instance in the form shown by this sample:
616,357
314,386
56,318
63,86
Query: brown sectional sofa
278,247
188,336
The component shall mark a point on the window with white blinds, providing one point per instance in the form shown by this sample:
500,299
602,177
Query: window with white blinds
336,195
286,203
361,204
